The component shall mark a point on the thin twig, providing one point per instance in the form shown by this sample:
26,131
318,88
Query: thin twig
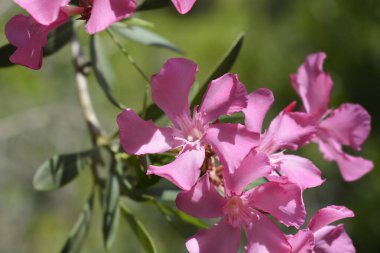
136,66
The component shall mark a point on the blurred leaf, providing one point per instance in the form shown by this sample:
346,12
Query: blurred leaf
255,183
183,223
154,113
61,169
78,233
5,52
98,62
139,230
223,67
144,180
234,118
144,36
56,40
111,211
152,4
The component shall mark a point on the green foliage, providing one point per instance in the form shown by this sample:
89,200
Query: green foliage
143,36
153,4
139,230
78,233
61,169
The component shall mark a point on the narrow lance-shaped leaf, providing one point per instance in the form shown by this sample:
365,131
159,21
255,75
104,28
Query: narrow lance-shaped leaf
183,223
153,4
111,211
78,233
224,66
57,39
96,60
139,230
143,36
61,169
154,113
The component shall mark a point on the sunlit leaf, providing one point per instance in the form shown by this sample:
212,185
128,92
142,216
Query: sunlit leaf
96,52
139,230
153,4
78,233
61,169
183,223
111,211
144,36
154,113
223,67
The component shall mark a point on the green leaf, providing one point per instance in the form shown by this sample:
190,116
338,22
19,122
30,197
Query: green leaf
111,211
78,233
144,36
154,113
139,230
61,169
223,67
183,223
152,4
58,38
234,118
96,52
5,52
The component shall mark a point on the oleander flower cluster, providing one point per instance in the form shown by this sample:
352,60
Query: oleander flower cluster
29,33
218,163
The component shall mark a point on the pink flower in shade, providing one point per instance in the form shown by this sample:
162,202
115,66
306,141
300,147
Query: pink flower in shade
183,6
29,36
99,14
320,237
238,208
347,125
170,91
288,130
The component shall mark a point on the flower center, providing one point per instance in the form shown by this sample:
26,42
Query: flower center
87,8
238,210
190,129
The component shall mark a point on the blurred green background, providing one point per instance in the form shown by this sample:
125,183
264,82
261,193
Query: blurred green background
40,114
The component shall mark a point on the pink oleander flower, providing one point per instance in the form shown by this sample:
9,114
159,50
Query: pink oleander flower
347,125
183,6
29,37
190,132
288,130
239,208
99,14
320,237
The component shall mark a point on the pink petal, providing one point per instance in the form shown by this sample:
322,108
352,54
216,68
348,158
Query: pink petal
202,201
183,6
352,168
231,142
331,239
29,37
44,11
258,105
327,215
184,170
287,131
300,171
263,236
220,238
140,137
106,12
302,242
171,87
349,125
282,201
254,166
224,96
313,85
